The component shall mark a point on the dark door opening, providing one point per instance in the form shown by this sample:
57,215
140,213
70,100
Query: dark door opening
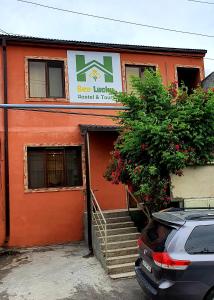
189,77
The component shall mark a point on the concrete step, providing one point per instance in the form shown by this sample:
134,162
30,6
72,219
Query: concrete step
116,245
118,231
122,268
115,213
121,251
118,219
122,237
117,260
116,225
122,275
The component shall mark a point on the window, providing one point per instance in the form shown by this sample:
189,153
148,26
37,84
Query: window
190,77
201,240
54,167
46,79
137,71
155,235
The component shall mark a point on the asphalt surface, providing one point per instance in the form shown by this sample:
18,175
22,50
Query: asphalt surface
60,273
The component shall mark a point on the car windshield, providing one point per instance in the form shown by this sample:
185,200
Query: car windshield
155,235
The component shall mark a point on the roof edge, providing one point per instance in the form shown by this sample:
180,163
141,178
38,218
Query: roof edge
38,40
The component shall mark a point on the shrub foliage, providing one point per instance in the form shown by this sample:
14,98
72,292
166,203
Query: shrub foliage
162,131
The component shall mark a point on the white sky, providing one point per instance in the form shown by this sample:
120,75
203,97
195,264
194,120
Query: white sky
20,18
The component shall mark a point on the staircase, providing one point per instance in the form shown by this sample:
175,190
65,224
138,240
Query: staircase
115,242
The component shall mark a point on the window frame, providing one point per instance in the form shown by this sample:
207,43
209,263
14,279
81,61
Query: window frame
27,189
137,65
201,70
64,70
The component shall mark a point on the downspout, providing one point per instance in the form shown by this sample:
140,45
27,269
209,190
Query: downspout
6,154
88,194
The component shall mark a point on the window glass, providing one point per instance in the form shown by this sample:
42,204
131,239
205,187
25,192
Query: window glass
46,79
201,240
130,72
37,79
55,168
36,169
136,71
73,166
155,235
55,80
58,167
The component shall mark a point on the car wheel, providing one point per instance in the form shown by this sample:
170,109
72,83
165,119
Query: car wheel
210,295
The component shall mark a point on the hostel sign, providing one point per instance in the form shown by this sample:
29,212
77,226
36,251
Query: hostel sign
93,76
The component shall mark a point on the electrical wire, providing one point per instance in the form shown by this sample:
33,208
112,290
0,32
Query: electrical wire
3,31
116,20
204,2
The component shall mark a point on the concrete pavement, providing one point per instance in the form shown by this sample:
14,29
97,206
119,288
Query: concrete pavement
60,273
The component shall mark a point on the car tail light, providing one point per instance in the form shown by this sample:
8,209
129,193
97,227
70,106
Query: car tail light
139,242
163,260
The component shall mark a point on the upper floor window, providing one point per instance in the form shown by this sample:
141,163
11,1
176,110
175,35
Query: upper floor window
46,79
189,77
137,71
51,167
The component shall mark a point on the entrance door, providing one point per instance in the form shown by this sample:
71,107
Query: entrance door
109,196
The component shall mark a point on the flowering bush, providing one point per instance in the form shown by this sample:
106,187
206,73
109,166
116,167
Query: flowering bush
162,131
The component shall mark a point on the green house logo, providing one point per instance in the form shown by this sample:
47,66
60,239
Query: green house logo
97,69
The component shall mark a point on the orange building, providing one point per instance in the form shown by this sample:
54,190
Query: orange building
50,160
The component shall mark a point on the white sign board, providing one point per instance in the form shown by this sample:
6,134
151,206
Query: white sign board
93,75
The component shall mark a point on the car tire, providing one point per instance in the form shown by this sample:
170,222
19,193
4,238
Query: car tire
210,295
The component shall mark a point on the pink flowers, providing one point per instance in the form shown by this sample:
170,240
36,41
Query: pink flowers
173,89
116,154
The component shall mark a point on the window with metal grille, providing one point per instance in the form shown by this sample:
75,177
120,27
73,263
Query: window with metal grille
135,71
46,79
54,167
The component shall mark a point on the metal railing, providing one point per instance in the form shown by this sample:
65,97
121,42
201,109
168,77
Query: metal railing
99,220
138,203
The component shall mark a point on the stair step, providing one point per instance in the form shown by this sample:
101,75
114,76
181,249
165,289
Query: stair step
121,259
122,275
122,237
121,268
121,251
115,213
118,231
123,244
118,219
117,225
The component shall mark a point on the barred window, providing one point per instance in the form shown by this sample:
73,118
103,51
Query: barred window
54,167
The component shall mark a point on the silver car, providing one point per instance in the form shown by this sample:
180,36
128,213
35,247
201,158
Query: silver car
176,255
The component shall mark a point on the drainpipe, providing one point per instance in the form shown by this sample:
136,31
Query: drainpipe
88,194
6,154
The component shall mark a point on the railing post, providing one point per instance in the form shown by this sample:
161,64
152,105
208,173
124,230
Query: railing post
105,240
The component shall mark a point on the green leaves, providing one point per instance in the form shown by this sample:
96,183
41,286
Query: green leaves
160,135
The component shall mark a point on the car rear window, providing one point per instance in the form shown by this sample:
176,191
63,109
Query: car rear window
155,235
201,240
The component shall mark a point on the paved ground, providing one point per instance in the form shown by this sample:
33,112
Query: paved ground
60,273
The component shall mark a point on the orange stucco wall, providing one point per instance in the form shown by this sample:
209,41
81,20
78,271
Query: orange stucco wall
110,196
45,217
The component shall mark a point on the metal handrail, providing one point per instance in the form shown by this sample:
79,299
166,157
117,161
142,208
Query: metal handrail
139,204
95,200
99,219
